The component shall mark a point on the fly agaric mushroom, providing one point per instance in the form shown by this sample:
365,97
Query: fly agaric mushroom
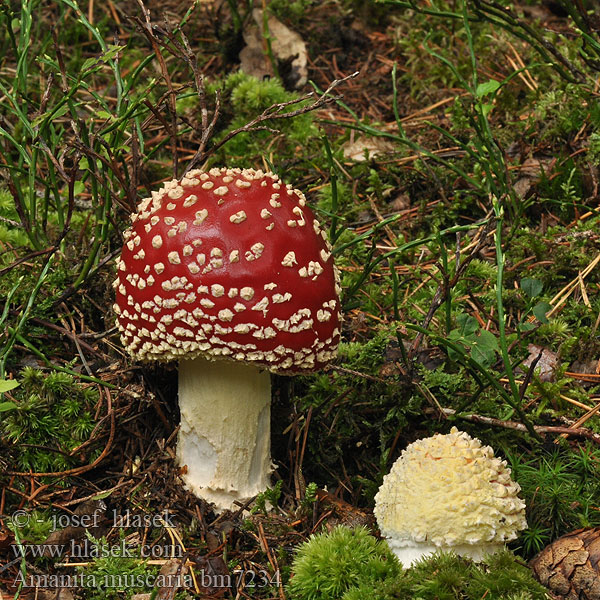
448,492
229,272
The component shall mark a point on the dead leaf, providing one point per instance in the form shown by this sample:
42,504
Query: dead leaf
534,167
530,172
546,365
401,202
522,186
365,148
173,572
287,46
212,575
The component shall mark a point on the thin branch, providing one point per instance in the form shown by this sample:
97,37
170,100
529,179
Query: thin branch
273,113
473,418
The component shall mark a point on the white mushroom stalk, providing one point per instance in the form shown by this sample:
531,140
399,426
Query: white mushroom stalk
220,270
448,492
224,435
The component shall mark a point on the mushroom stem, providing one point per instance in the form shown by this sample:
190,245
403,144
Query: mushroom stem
409,552
224,437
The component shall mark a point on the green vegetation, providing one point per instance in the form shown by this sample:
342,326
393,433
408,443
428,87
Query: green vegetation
35,528
464,223
50,418
270,497
115,572
246,97
560,489
450,577
348,564
329,564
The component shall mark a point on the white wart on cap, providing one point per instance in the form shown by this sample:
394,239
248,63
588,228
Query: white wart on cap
448,492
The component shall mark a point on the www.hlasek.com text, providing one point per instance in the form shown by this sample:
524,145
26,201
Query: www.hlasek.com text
89,550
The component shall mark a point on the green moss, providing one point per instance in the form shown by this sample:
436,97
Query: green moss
560,489
349,564
443,383
329,564
503,576
560,112
36,528
446,576
397,588
293,11
116,573
53,415
366,356
246,97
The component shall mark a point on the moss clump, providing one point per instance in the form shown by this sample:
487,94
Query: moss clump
560,489
52,416
502,576
350,564
247,97
446,576
116,573
330,564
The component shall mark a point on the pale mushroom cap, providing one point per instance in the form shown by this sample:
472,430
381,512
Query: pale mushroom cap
228,264
448,491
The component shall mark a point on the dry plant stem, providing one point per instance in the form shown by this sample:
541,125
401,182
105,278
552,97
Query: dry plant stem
272,113
207,128
185,53
146,27
446,286
72,335
588,415
28,257
561,297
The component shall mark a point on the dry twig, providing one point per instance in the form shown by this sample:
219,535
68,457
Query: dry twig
473,418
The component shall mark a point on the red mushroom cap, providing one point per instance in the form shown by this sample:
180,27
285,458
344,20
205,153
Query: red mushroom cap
228,264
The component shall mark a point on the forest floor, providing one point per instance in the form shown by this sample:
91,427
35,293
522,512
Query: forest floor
454,163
